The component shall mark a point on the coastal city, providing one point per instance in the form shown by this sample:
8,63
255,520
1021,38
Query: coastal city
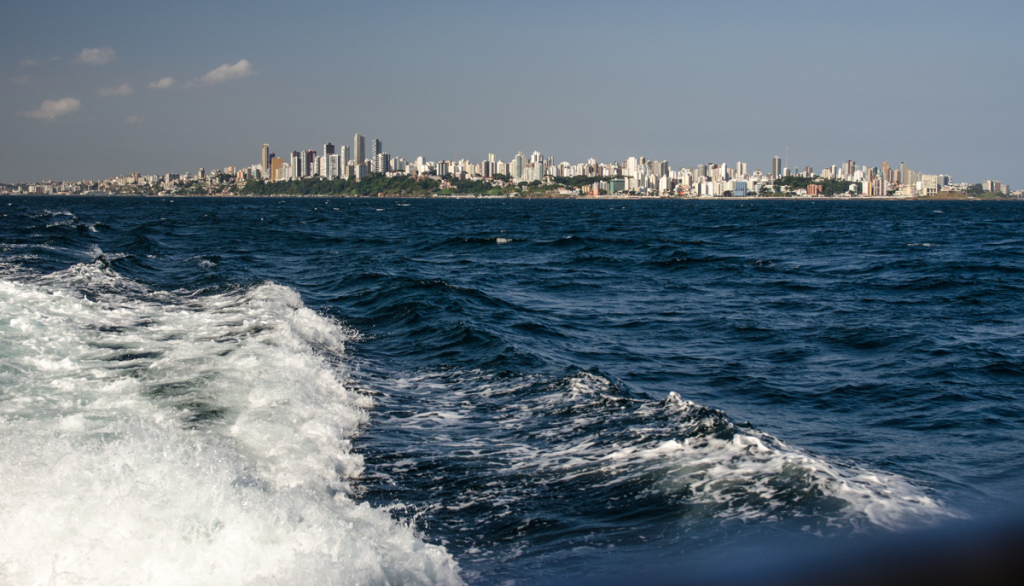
354,170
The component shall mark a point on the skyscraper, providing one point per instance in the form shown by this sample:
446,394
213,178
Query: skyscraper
359,150
308,162
776,167
375,149
333,167
328,149
382,163
517,167
265,160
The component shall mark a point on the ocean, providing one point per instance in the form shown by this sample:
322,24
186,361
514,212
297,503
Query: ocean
485,391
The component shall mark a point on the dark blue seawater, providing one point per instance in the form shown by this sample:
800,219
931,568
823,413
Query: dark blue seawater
541,388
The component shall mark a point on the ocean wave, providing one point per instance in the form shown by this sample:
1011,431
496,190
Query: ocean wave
155,437
511,445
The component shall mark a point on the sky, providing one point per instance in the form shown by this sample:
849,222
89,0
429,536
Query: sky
90,90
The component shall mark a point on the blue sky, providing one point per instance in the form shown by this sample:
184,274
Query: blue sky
936,84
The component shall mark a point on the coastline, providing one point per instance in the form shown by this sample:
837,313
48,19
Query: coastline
543,197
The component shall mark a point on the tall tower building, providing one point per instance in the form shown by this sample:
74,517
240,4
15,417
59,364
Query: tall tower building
375,149
333,167
517,167
308,162
328,149
776,167
359,150
903,174
382,163
265,160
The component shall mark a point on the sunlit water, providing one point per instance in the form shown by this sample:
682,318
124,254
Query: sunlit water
424,391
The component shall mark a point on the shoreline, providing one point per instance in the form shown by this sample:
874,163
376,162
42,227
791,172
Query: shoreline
545,197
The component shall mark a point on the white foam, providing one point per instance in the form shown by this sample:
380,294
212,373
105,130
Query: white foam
754,475
583,430
153,438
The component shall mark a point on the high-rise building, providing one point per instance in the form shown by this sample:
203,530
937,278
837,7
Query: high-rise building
265,160
375,149
328,149
277,166
382,162
776,167
518,167
632,167
308,163
333,166
904,177
359,150
345,156
295,165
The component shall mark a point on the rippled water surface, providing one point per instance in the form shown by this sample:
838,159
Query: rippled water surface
436,391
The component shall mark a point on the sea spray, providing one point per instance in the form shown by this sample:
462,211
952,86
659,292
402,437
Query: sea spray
150,437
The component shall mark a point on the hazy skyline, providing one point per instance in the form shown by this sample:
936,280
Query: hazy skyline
92,90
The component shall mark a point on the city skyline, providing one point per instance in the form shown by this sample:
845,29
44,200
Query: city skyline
104,90
637,176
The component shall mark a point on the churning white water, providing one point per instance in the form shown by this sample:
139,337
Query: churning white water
162,438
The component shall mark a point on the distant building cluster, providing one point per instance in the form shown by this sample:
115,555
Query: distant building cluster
334,163
636,176
200,183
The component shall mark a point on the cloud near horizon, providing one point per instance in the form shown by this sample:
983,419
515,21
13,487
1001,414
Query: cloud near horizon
226,72
121,90
162,83
96,56
50,109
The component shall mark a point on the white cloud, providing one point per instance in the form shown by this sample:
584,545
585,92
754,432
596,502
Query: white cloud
133,119
226,72
50,109
162,83
29,63
121,90
96,56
